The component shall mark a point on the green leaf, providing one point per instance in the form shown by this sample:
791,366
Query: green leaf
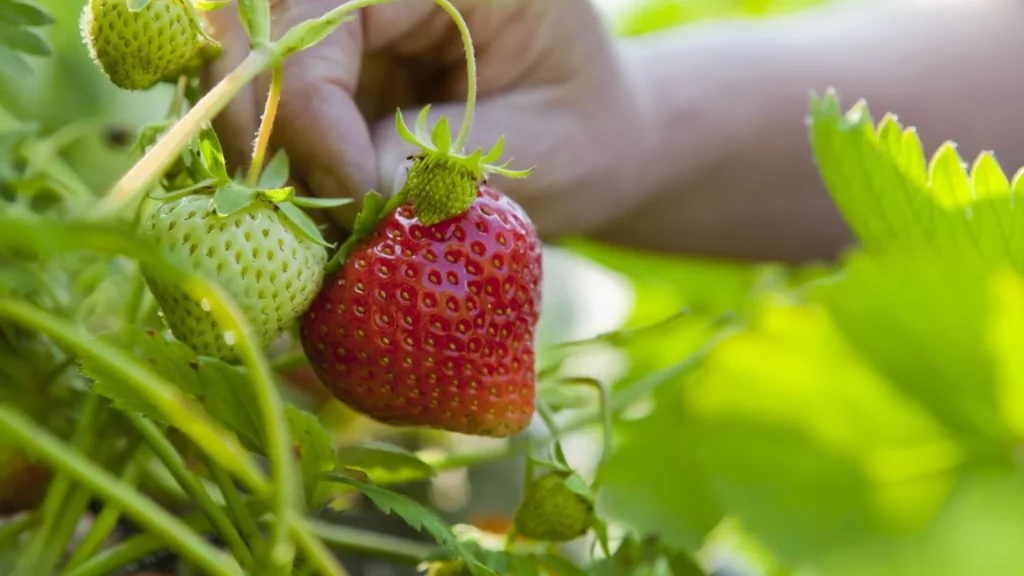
22,13
314,449
893,199
12,64
308,33
212,154
806,443
166,356
137,5
384,463
275,174
23,40
276,195
227,395
416,516
310,202
441,137
303,222
232,197
932,311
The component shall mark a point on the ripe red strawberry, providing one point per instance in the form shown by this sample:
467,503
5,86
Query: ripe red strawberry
431,320
434,325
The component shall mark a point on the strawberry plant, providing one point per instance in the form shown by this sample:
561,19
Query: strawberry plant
194,380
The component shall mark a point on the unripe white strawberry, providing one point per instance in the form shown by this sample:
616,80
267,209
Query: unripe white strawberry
138,49
271,269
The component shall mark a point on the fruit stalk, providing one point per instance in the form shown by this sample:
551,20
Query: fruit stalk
266,127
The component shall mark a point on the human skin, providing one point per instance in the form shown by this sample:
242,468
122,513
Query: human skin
688,141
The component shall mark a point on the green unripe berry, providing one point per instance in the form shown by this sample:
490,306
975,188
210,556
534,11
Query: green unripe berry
138,49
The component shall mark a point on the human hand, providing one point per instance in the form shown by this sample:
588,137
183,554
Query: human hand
549,80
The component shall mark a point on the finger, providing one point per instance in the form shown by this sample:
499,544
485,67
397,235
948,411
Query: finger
236,124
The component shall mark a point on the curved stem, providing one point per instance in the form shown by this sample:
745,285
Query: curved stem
266,127
606,416
171,402
318,556
240,514
370,543
471,88
165,451
178,536
111,513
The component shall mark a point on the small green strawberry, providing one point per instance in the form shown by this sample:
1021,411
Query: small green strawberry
138,43
553,511
256,243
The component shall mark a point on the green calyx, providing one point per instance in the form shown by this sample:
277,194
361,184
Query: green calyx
202,169
443,181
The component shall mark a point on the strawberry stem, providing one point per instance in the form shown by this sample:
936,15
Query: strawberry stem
259,150
471,86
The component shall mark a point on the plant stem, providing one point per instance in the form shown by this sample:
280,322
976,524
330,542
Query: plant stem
165,451
471,88
14,528
145,512
183,413
164,153
72,509
33,560
606,415
266,127
239,513
316,553
371,543
111,514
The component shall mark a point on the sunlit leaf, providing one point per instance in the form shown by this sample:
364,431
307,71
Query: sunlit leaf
303,222
232,197
384,463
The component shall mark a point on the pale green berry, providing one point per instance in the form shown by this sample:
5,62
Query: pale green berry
551,511
269,268
138,49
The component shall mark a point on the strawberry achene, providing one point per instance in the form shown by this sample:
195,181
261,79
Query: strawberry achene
433,326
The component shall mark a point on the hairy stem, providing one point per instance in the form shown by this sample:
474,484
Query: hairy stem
164,153
471,88
165,451
179,537
266,127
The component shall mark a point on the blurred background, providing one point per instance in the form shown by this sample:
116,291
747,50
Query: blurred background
590,288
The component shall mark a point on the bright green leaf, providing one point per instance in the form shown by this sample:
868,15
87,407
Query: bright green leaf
276,195
441,137
137,5
310,202
232,197
314,449
807,444
228,397
303,222
384,463
275,174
